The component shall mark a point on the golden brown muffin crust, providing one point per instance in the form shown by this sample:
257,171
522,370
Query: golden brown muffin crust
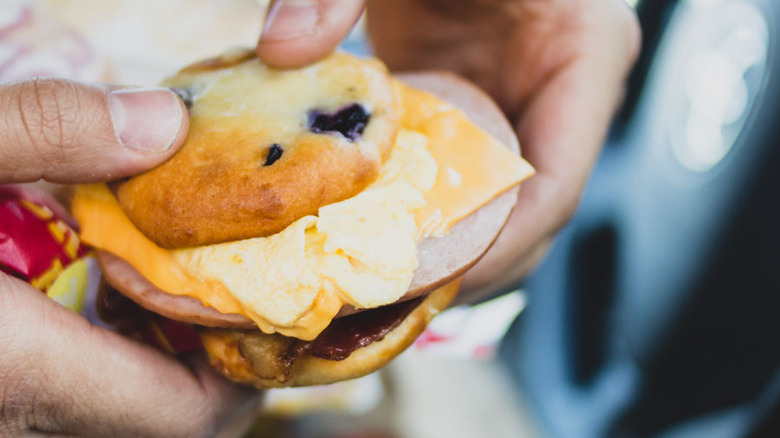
251,164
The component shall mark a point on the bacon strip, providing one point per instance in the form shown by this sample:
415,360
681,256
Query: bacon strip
273,356
347,334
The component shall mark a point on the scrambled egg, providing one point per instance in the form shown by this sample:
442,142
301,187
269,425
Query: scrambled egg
363,249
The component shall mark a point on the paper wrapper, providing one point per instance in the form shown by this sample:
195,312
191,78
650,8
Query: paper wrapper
35,244
40,247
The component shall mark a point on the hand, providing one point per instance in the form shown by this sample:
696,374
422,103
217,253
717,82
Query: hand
556,68
59,374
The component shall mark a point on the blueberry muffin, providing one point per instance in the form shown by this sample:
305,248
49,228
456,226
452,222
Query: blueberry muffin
265,148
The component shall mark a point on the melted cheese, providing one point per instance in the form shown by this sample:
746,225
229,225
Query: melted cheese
360,251
104,225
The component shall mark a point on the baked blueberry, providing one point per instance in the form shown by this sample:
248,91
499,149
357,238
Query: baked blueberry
350,121
274,153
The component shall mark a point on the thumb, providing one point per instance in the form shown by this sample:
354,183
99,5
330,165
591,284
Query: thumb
298,32
67,132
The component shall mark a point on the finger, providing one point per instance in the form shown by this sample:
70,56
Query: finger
561,133
59,374
299,32
562,144
67,132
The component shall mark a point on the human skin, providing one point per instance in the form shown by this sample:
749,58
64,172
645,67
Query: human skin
58,373
556,67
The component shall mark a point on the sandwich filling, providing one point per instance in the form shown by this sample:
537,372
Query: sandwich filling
361,251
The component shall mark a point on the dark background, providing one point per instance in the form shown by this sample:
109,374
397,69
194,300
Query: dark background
657,312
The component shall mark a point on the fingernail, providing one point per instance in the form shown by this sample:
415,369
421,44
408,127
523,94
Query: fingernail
146,119
290,19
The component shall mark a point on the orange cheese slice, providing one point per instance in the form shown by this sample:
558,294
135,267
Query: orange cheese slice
474,167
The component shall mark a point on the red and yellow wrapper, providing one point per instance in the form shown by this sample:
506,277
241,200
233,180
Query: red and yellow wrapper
38,246
35,244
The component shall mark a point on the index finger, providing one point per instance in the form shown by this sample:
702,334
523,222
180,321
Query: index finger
299,32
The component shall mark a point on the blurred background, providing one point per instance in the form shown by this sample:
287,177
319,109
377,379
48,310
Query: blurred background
656,312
